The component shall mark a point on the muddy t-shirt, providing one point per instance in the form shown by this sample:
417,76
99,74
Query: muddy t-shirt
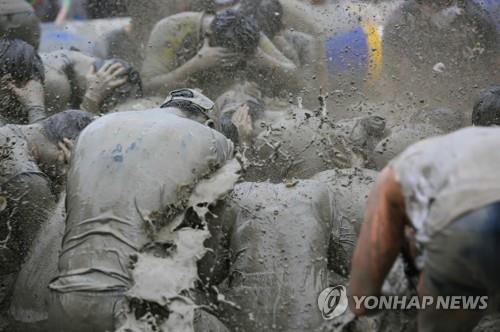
447,176
127,181
14,6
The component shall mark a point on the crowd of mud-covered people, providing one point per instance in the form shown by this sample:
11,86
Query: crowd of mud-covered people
215,165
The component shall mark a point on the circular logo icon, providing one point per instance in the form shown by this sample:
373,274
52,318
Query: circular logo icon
332,302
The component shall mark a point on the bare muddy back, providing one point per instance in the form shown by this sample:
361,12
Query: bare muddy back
279,256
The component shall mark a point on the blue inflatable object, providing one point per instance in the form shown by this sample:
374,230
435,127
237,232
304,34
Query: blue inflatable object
55,37
356,53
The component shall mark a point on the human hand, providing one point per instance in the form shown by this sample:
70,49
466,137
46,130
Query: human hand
64,156
29,95
101,84
216,56
242,120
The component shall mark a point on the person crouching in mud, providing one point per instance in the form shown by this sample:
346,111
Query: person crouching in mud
76,80
199,49
440,201
127,169
34,162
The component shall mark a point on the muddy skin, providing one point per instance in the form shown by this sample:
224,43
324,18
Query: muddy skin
278,261
400,138
167,68
65,82
350,188
300,144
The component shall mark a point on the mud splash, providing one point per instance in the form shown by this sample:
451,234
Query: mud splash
166,271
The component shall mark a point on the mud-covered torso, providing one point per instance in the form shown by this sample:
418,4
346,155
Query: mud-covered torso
62,90
114,206
279,262
299,143
350,188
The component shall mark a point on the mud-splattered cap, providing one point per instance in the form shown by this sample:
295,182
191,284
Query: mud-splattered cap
196,98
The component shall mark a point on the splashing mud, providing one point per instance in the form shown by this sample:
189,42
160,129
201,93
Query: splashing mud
165,272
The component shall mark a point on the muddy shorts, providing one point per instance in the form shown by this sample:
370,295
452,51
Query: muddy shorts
463,259
85,311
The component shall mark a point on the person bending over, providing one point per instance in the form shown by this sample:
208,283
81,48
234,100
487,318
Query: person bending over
439,203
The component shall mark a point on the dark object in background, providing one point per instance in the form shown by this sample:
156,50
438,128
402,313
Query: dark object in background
232,29
46,10
487,108
106,8
20,60
18,20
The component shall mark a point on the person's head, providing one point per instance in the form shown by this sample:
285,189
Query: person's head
52,131
232,30
268,14
19,64
191,104
132,89
487,108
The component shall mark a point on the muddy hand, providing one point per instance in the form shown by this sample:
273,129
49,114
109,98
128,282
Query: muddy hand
64,157
100,84
242,120
29,95
213,56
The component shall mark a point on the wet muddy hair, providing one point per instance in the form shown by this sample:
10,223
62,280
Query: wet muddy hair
67,124
235,31
268,14
20,60
487,108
